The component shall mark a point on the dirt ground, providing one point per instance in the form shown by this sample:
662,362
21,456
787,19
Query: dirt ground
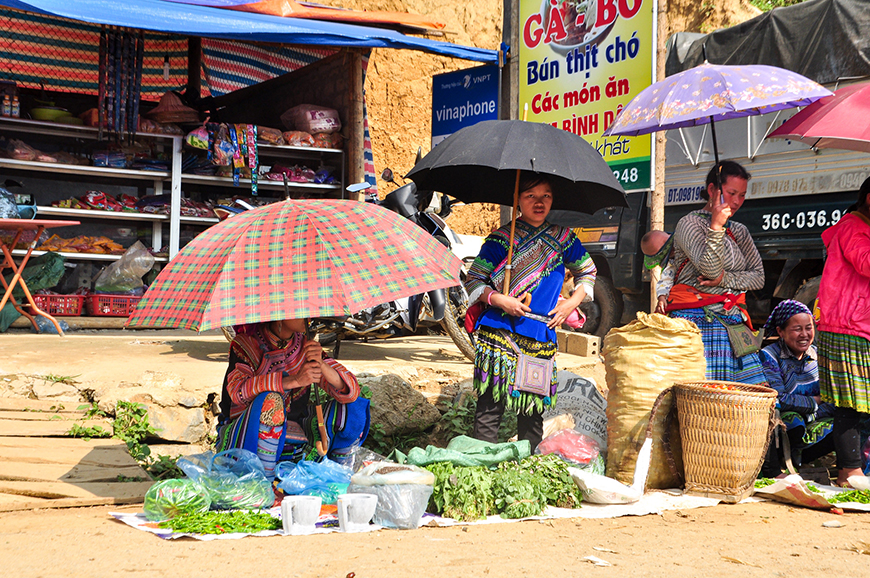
758,539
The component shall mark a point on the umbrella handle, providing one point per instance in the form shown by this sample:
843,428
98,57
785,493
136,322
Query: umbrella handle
321,447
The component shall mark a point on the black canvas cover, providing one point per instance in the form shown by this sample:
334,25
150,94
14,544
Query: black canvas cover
825,40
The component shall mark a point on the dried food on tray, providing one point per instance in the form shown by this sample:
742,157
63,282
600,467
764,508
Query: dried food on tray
82,244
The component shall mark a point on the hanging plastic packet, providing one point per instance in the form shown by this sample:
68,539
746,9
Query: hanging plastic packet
253,157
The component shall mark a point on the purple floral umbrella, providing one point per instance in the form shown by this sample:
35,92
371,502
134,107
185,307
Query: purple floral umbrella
712,92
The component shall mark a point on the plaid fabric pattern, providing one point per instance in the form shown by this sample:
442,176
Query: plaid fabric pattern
844,370
63,55
721,363
295,260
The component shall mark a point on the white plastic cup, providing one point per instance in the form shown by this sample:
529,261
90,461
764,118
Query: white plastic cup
299,514
355,511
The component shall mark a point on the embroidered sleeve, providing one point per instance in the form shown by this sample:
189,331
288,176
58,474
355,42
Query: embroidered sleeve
242,385
579,263
752,276
492,252
349,380
773,373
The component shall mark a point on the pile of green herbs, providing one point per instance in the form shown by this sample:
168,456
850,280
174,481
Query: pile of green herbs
860,496
511,490
222,523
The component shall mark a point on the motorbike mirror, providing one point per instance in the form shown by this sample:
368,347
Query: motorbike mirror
357,187
387,175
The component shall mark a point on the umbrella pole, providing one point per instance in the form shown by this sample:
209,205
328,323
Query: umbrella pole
716,157
320,445
510,255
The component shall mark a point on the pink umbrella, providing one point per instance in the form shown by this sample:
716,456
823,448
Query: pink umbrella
840,121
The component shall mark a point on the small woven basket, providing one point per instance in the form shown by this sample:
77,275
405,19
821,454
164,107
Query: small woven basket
725,428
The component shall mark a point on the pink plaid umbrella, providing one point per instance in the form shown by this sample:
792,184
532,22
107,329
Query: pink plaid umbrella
295,260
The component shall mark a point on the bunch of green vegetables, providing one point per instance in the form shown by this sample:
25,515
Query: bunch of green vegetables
550,474
860,496
512,490
222,523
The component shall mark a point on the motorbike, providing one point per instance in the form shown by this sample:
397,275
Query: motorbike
444,307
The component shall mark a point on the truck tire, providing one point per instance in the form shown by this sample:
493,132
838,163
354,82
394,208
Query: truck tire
605,311
808,292
454,321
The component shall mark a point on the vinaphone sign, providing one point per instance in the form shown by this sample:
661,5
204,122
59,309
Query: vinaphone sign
581,61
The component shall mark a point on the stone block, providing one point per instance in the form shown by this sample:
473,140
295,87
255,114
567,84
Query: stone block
582,344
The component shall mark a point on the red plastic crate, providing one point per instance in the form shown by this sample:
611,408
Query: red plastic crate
60,305
111,305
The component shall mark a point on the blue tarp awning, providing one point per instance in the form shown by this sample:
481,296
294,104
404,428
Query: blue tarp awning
190,20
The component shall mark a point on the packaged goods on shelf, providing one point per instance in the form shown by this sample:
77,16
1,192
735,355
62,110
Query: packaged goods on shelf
270,135
197,138
312,118
326,140
298,138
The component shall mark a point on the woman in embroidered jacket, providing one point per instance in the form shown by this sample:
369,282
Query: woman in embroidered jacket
542,252
790,367
717,262
265,399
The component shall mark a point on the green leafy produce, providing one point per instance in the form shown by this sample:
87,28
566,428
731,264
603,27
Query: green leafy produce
461,493
518,494
764,482
170,498
813,488
513,489
222,523
552,475
860,496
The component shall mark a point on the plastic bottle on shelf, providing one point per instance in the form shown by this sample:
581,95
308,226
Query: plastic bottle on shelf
7,106
15,111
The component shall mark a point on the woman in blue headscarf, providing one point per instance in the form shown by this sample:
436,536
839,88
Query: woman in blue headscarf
790,367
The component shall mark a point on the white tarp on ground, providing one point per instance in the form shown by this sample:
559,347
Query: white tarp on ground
654,502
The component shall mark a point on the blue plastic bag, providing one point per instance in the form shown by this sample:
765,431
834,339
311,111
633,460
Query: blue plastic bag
233,479
326,479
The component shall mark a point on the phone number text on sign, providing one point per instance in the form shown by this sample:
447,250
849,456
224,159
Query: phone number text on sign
802,220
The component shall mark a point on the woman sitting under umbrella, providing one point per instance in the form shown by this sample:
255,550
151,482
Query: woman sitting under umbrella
511,333
265,400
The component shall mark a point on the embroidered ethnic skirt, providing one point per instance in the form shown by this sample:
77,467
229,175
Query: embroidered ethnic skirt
495,366
721,363
844,370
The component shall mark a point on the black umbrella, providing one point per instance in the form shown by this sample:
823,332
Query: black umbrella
482,163
479,163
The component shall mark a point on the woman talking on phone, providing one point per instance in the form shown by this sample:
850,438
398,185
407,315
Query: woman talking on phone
717,262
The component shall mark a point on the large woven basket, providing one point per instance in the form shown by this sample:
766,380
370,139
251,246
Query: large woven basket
725,428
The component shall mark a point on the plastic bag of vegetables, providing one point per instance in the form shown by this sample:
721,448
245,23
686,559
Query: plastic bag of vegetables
233,479
169,498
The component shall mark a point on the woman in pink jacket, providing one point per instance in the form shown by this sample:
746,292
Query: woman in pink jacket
844,331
